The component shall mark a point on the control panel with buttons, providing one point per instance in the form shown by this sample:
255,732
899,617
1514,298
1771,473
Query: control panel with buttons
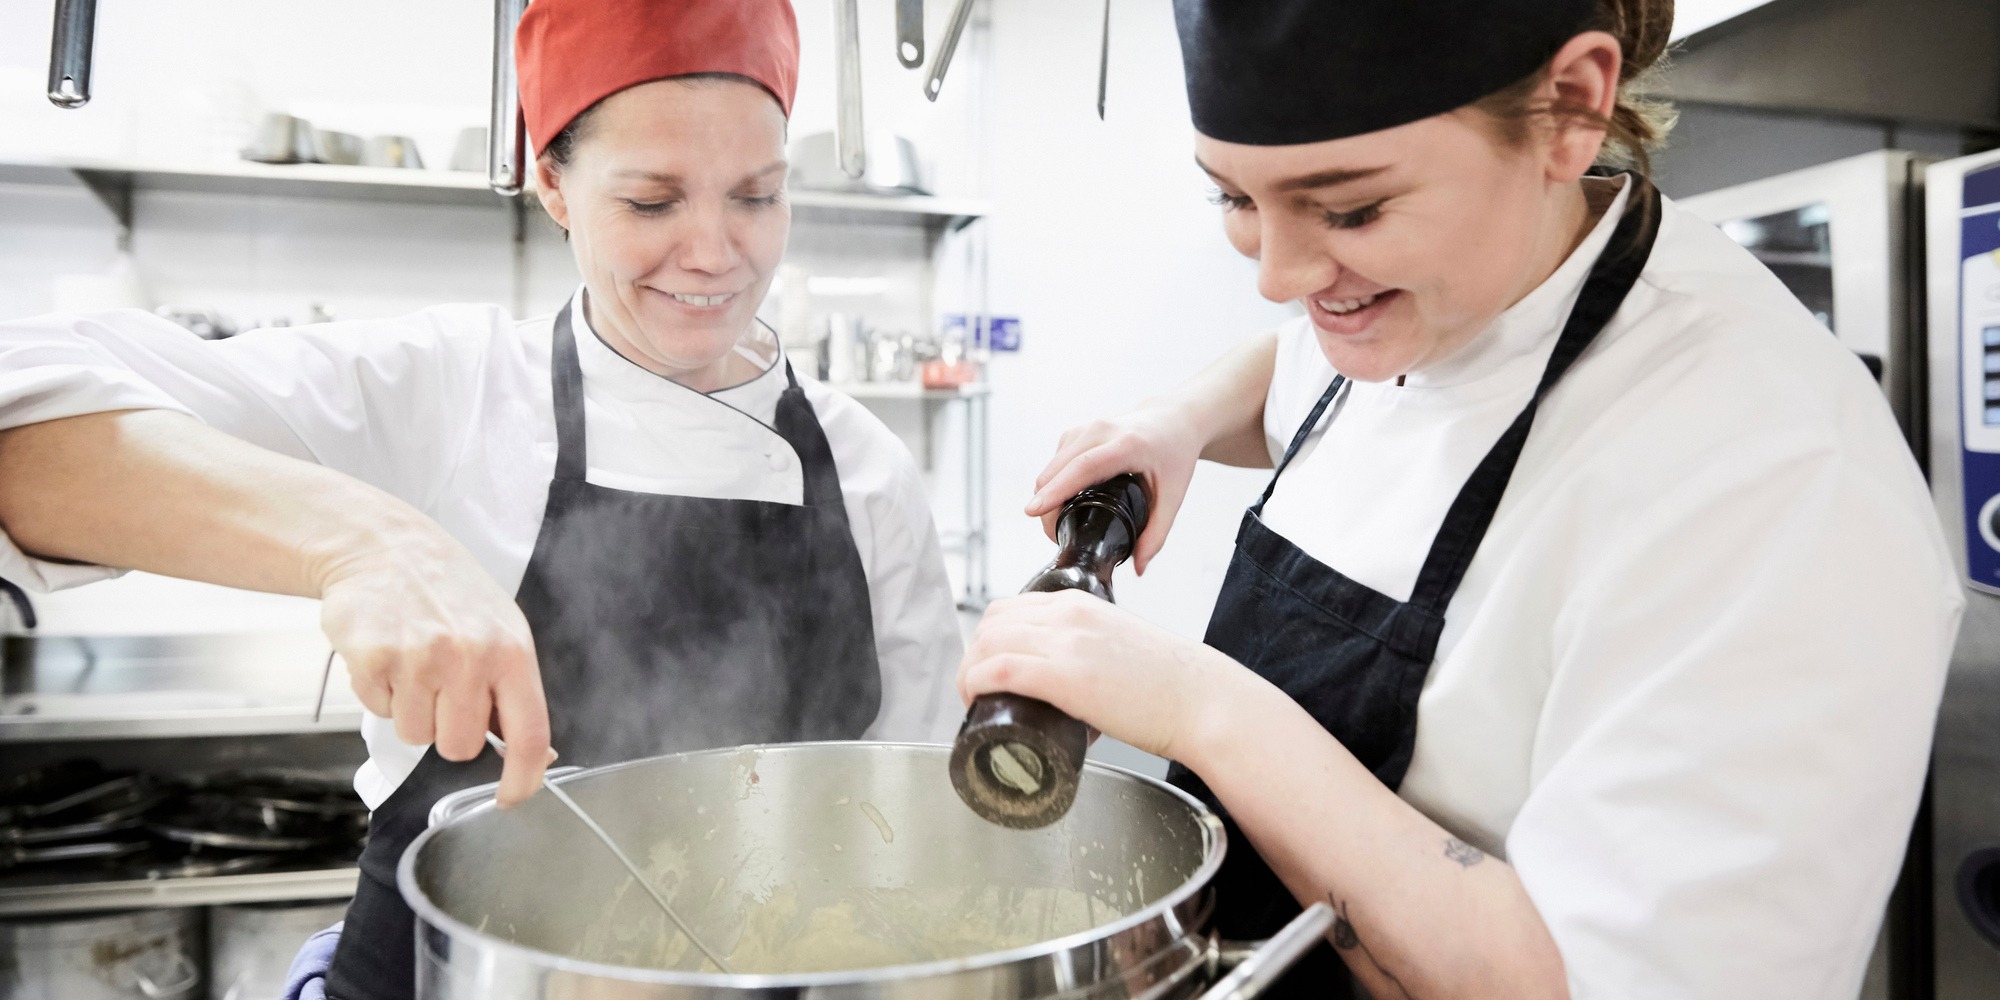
1979,374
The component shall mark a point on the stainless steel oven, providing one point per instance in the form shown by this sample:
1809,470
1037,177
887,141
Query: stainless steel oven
1841,237
1963,288
1846,238
1900,258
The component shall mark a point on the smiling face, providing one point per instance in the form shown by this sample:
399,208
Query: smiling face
674,201
1403,244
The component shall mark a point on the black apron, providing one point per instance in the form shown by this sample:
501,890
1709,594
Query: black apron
1353,657
662,623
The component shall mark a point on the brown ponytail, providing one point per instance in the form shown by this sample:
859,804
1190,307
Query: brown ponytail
1639,123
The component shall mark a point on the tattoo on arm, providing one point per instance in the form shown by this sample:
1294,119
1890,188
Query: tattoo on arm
1465,854
1346,939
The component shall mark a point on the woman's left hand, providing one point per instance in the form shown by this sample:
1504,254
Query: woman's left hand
1133,680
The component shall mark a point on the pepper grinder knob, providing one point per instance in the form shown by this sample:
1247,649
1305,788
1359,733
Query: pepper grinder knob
1017,760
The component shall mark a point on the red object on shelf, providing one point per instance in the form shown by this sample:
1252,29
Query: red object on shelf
949,375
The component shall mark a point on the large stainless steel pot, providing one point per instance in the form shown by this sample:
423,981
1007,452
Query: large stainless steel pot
522,904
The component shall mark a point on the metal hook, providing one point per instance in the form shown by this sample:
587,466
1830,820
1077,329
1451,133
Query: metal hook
953,29
1104,60
910,33
506,134
847,128
69,53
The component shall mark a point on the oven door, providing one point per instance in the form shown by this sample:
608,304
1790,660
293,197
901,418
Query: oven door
1963,250
1841,237
1838,235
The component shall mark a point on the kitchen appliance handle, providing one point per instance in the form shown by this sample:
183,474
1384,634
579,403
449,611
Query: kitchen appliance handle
69,53
451,807
507,134
184,968
1265,961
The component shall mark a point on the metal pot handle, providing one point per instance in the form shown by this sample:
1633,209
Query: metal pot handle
1267,960
451,807
184,967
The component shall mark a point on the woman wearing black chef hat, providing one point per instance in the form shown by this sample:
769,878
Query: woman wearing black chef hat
1588,636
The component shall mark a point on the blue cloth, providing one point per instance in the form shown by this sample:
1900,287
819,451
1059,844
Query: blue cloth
307,979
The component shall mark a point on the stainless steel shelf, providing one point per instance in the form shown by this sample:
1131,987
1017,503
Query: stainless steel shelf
908,390
304,179
176,724
257,887
929,211
116,182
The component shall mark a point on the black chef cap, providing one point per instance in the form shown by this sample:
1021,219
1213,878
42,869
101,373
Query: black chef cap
1284,72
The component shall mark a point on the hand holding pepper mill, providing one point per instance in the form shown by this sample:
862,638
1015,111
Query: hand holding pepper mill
1017,761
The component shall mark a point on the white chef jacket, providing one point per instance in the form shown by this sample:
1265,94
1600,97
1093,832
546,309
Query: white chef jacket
451,410
1687,687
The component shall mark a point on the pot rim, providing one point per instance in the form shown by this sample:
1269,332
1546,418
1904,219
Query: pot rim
429,912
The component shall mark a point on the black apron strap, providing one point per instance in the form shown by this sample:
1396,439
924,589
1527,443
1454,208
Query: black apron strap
1472,511
1299,439
800,428
566,378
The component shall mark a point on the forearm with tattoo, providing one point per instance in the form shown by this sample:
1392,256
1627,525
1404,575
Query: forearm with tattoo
1346,939
1420,912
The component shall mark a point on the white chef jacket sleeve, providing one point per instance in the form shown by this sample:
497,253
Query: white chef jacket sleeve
390,402
917,639
1738,723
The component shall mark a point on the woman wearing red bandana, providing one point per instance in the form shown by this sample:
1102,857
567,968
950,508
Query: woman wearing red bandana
625,529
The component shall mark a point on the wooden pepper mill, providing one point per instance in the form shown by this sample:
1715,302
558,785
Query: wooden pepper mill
1017,760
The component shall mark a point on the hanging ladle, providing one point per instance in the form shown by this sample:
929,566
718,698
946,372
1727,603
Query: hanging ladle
954,29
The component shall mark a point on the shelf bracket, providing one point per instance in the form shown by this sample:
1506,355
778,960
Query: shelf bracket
929,415
518,209
113,189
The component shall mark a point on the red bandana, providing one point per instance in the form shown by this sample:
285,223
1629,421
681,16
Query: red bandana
573,53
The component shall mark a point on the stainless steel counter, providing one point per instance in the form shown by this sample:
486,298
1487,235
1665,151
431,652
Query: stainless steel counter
60,688
152,702
258,887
